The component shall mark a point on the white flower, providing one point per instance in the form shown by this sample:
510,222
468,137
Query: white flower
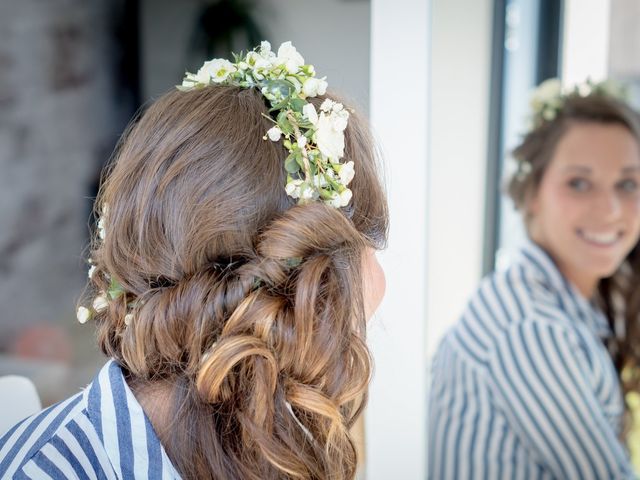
320,181
584,89
101,229
310,113
339,119
296,84
612,88
92,269
274,133
307,192
302,141
289,57
548,93
345,197
312,87
340,199
83,314
100,303
548,113
187,82
265,48
327,105
128,318
255,61
293,188
216,70
300,189
329,140
346,173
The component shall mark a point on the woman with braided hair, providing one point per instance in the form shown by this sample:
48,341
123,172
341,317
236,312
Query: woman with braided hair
530,383
232,277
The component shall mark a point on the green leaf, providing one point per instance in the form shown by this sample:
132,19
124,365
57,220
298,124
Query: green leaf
325,194
284,124
293,262
331,181
282,117
277,105
291,164
297,104
115,289
280,89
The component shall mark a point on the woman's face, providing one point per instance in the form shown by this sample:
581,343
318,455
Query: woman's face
374,283
586,212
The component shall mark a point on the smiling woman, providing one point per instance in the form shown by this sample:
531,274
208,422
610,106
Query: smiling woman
585,212
528,383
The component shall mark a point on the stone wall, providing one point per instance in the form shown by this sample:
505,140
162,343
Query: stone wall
56,130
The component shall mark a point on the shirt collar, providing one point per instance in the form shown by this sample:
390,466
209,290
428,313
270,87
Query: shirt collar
127,435
539,262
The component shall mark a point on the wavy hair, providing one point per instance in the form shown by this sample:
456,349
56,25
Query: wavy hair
618,294
248,310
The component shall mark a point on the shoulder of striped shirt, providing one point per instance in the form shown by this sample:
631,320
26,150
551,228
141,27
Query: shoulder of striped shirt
29,437
523,293
507,300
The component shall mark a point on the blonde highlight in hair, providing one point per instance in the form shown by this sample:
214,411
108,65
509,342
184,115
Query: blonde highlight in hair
247,309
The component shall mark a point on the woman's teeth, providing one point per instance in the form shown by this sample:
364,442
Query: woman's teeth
604,239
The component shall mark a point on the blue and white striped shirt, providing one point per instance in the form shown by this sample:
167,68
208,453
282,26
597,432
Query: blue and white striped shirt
100,433
523,386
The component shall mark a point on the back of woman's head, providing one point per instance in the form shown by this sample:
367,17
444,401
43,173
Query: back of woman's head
247,307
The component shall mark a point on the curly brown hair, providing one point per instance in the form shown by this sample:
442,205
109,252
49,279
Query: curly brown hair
619,294
248,310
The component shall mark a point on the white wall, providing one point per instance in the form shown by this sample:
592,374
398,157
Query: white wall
586,40
430,71
396,415
460,75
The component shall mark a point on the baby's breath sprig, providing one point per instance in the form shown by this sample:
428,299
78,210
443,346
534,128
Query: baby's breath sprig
548,99
315,140
115,290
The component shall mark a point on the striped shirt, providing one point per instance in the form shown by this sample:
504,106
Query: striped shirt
523,386
99,433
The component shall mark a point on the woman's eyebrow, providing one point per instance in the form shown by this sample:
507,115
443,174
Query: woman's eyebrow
631,169
578,168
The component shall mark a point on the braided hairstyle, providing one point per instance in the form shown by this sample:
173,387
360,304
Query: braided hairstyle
247,308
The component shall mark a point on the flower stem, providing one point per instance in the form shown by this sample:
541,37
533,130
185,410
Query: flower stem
305,158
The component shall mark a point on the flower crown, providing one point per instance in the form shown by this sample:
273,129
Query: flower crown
548,100
315,140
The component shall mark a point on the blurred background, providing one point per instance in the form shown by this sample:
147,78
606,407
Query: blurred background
446,85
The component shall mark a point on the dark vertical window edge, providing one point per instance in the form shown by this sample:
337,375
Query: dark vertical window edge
549,39
495,133
548,62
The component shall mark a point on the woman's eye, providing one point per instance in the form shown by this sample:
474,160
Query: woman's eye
579,184
628,186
